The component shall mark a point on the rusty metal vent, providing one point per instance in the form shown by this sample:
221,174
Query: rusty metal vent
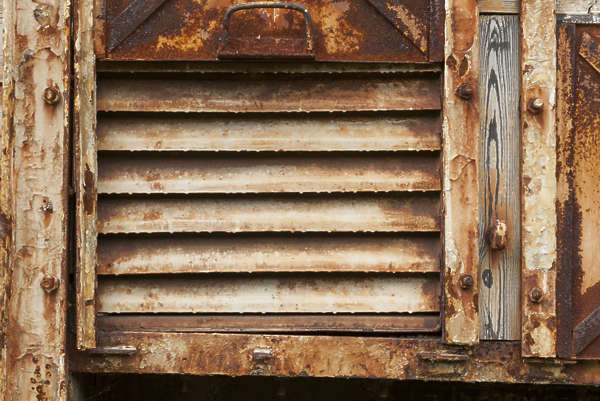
294,201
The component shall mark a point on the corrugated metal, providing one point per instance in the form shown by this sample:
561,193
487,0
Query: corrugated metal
324,186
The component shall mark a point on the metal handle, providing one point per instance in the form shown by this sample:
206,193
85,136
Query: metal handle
271,4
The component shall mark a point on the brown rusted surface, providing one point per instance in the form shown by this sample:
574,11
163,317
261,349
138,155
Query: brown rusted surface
579,196
460,164
323,356
268,93
271,132
269,293
34,167
538,178
126,173
388,30
264,323
268,253
305,213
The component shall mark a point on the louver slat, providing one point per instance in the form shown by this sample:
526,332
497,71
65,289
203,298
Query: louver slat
252,294
267,253
268,132
296,213
252,173
315,93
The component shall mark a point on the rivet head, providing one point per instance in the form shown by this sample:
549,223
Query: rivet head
465,91
262,354
49,283
536,295
496,236
51,95
535,105
466,281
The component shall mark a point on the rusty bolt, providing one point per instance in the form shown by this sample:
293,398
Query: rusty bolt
466,281
536,295
262,354
496,236
51,95
49,283
535,105
465,91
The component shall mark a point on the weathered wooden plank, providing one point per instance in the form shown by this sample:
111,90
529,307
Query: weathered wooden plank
85,174
415,323
264,253
538,177
256,294
145,172
271,132
460,163
275,93
499,77
356,213
577,6
499,6
34,200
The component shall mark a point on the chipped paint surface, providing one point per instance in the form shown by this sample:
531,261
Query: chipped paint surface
460,185
538,176
37,58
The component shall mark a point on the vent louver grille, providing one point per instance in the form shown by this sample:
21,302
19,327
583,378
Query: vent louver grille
287,201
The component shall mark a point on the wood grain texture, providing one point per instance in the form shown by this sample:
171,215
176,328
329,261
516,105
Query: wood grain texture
268,253
499,6
307,213
271,294
499,78
460,164
86,171
34,201
538,177
275,93
270,132
187,173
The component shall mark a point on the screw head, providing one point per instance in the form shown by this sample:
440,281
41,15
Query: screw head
536,295
51,95
465,91
535,105
466,281
49,283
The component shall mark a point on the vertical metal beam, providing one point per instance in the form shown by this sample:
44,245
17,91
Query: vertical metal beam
538,177
460,161
36,106
86,173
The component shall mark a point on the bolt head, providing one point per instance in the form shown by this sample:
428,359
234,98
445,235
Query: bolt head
465,91
49,283
51,95
535,105
536,295
466,281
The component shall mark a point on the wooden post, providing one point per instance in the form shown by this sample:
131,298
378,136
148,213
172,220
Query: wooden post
460,161
500,203
538,177
34,197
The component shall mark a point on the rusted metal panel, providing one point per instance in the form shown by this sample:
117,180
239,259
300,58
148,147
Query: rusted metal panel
272,293
383,30
268,253
33,200
189,93
271,132
126,173
538,178
460,172
264,323
352,212
577,6
85,176
329,356
579,197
